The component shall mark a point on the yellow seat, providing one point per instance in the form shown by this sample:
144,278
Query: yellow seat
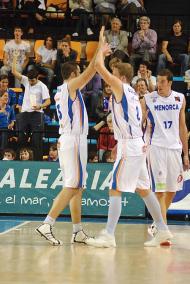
37,44
76,45
91,47
17,90
2,44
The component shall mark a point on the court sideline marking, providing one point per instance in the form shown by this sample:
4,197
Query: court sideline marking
14,227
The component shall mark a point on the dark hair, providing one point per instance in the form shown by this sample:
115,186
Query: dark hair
167,73
54,42
145,63
10,151
32,74
175,22
143,80
18,28
53,147
106,155
3,76
67,68
30,152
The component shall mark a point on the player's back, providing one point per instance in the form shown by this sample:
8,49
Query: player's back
72,115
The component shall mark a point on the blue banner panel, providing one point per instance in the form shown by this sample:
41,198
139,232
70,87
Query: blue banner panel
30,187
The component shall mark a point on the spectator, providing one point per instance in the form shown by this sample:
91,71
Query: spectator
53,153
36,98
107,157
141,88
33,13
106,139
93,157
26,154
117,40
175,48
102,108
105,8
131,9
7,119
144,43
9,154
23,50
90,94
46,59
145,73
64,53
4,87
81,8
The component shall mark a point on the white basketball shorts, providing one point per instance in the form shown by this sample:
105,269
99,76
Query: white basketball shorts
73,159
166,170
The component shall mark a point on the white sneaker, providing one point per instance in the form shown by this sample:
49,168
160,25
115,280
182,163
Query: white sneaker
161,237
80,237
75,34
152,229
45,230
89,31
104,240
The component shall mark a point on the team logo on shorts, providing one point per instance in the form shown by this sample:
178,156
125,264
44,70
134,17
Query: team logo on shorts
180,178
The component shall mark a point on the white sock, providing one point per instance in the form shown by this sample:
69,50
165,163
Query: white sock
154,208
49,220
77,227
114,213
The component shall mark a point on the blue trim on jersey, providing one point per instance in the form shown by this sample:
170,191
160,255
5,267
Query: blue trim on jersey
80,184
124,105
184,192
70,111
114,183
113,111
150,116
82,106
153,186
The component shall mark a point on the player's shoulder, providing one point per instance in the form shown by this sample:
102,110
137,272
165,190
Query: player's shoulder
177,95
151,96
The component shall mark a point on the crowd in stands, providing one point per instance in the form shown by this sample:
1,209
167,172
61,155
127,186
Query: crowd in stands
27,91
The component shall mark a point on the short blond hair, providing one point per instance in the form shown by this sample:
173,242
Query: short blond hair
126,70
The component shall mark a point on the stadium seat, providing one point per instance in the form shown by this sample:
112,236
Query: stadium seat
76,45
37,44
91,47
2,44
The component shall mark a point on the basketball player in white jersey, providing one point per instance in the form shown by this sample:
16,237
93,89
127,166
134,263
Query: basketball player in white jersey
73,129
166,111
129,172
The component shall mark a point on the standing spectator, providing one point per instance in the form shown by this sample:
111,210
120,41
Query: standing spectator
36,98
4,87
23,49
175,48
145,73
81,8
46,59
117,40
64,53
7,119
144,43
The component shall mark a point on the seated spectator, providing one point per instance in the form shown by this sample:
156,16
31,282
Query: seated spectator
31,20
103,7
141,88
7,120
46,59
102,109
81,8
7,4
117,40
145,73
26,154
53,153
131,9
36,98
90,94
175,49
107,157
106,139
93,157
4,87
144,43
64,53
23,50
9,155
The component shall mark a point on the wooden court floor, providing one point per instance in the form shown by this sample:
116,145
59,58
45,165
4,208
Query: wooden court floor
27,258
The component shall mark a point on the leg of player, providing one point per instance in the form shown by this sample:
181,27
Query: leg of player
161,196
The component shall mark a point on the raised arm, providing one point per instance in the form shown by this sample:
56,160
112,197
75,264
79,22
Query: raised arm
113,81
14,70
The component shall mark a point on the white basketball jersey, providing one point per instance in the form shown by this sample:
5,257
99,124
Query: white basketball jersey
164,116
72,115
127,115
